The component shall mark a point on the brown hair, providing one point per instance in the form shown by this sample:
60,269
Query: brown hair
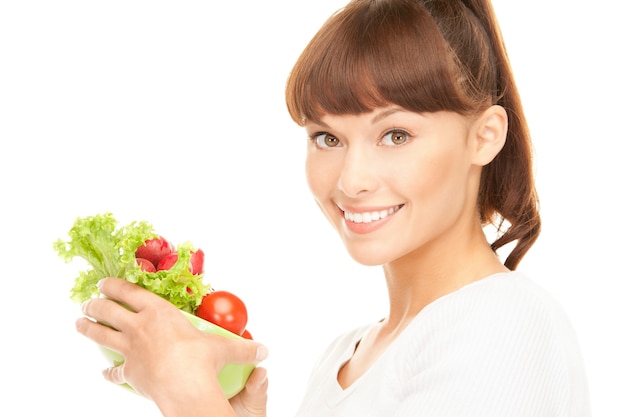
426,56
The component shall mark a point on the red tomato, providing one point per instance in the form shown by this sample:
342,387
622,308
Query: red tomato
246,335
197,262
154,250
224,309
146,265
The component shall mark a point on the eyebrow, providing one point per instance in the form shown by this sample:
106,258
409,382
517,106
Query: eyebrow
386,113
375,119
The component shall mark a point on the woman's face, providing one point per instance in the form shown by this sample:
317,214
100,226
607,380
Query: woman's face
393,182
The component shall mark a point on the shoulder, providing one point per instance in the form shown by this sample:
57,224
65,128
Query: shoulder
513,286
504,297
506,337
502,313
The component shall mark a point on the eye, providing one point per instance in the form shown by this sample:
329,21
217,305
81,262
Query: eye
325,140
395,138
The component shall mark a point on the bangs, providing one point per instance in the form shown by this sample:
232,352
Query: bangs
358,61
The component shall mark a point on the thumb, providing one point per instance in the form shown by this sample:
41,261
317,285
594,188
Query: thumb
115,374
245,351
254,397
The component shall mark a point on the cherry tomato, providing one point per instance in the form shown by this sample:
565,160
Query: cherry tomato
246,335
224,309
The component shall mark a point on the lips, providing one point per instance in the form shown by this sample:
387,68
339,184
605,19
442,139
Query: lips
369,216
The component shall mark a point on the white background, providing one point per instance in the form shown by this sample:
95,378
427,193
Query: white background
173,112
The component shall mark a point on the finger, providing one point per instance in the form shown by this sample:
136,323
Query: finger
254,395
257,382
132,295
115,374
107,312
100,333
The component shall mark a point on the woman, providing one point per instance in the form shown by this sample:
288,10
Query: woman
417,142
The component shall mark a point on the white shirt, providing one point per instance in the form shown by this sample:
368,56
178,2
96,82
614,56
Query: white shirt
499,347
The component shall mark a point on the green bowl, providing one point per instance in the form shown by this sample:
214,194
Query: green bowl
232,377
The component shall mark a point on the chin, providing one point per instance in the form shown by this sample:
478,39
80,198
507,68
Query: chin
368,257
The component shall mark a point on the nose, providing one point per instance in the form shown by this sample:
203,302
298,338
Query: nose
358,173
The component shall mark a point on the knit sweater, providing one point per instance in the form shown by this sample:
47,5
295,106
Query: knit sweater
498,347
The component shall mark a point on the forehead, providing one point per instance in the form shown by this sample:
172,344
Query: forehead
390,117
372,116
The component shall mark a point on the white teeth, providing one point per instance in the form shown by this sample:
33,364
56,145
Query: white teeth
369,217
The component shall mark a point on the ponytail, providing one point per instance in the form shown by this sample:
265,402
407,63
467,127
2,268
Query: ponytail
507,196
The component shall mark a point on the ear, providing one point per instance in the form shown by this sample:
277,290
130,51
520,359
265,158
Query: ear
489,134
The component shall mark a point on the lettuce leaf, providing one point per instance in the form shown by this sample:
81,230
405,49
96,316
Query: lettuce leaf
109,250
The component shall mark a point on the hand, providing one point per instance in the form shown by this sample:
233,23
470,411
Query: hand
252,400
167,359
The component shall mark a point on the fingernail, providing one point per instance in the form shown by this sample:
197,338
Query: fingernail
261,353
83,307
99,283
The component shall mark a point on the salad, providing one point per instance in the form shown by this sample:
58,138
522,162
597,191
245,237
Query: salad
110,250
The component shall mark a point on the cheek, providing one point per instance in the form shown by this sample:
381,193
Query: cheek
309,171
318,177
322,183
440,179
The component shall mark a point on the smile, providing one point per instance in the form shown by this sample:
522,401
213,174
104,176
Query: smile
369,216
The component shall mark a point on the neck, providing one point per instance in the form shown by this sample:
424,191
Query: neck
421,277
